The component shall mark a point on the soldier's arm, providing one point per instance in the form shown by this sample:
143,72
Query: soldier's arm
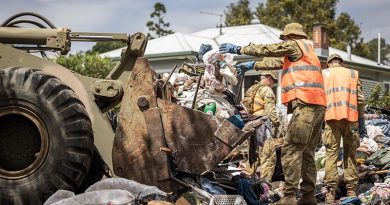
269,63
360,98
286,48
361,104
270,106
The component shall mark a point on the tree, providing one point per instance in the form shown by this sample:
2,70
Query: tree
88,64
385,50
379,99
345,31
342,30
375,96
157,25
238,14
102,47
278,13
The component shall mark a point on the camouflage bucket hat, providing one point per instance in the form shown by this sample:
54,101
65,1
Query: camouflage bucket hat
333,56
293,28
271,73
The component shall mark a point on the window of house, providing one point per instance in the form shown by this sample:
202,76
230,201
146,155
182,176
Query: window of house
386,86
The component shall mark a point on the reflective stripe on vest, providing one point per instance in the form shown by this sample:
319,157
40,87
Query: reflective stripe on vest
303,79
341,89
341,93
341,103
300,68
302,85
258,105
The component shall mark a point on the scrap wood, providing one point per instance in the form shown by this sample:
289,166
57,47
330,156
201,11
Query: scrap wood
378,172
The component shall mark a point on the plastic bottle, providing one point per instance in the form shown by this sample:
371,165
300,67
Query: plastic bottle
210,108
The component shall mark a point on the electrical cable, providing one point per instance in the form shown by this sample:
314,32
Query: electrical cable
44,19
13,23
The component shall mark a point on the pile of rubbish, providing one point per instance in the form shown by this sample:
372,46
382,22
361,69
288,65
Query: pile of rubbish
373,160
204,85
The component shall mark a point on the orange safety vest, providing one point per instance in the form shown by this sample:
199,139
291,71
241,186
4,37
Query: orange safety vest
303,79
341,93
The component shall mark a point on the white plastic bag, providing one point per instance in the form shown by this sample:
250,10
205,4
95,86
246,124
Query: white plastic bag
229,76
112,196
135,188
58,196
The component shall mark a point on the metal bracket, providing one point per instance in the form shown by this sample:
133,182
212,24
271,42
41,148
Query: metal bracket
61,41
108,89
135,49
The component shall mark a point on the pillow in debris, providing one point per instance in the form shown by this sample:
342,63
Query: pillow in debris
135,188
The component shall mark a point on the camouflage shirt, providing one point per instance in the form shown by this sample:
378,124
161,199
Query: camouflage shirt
273,58
273,54
268,97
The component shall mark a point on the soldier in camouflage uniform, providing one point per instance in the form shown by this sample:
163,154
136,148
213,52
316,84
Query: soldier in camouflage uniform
303,94
260,98
260,101
345,102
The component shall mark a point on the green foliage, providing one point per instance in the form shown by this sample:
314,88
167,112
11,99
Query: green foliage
238,14
157,26
385,50
342,30
379,98
386,101
278,13
102,47
374,100
88,64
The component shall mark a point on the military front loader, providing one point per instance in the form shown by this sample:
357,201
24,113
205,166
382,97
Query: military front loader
55,132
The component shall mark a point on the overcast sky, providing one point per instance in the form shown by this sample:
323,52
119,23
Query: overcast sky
130,16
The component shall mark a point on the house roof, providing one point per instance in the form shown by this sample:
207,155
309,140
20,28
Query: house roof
181,43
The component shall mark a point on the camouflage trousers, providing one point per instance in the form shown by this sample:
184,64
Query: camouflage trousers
302,137
267,158
334,131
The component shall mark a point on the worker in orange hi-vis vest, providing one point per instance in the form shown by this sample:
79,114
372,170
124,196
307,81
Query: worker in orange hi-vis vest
345,104
303,94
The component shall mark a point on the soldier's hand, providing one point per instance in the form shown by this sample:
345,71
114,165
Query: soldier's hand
245,66
229,48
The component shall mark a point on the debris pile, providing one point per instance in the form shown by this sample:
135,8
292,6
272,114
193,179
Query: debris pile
373,160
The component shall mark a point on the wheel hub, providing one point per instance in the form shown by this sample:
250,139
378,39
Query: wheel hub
23,142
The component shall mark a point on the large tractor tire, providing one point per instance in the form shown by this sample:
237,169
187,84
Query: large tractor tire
46,138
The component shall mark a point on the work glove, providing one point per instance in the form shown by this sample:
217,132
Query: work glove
243,67
229,48
204,48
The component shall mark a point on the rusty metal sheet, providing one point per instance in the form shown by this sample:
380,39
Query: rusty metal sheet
199,141
139,136
150,128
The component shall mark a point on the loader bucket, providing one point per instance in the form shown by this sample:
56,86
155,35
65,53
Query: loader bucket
156,138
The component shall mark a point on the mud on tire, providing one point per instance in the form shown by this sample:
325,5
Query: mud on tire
46,138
